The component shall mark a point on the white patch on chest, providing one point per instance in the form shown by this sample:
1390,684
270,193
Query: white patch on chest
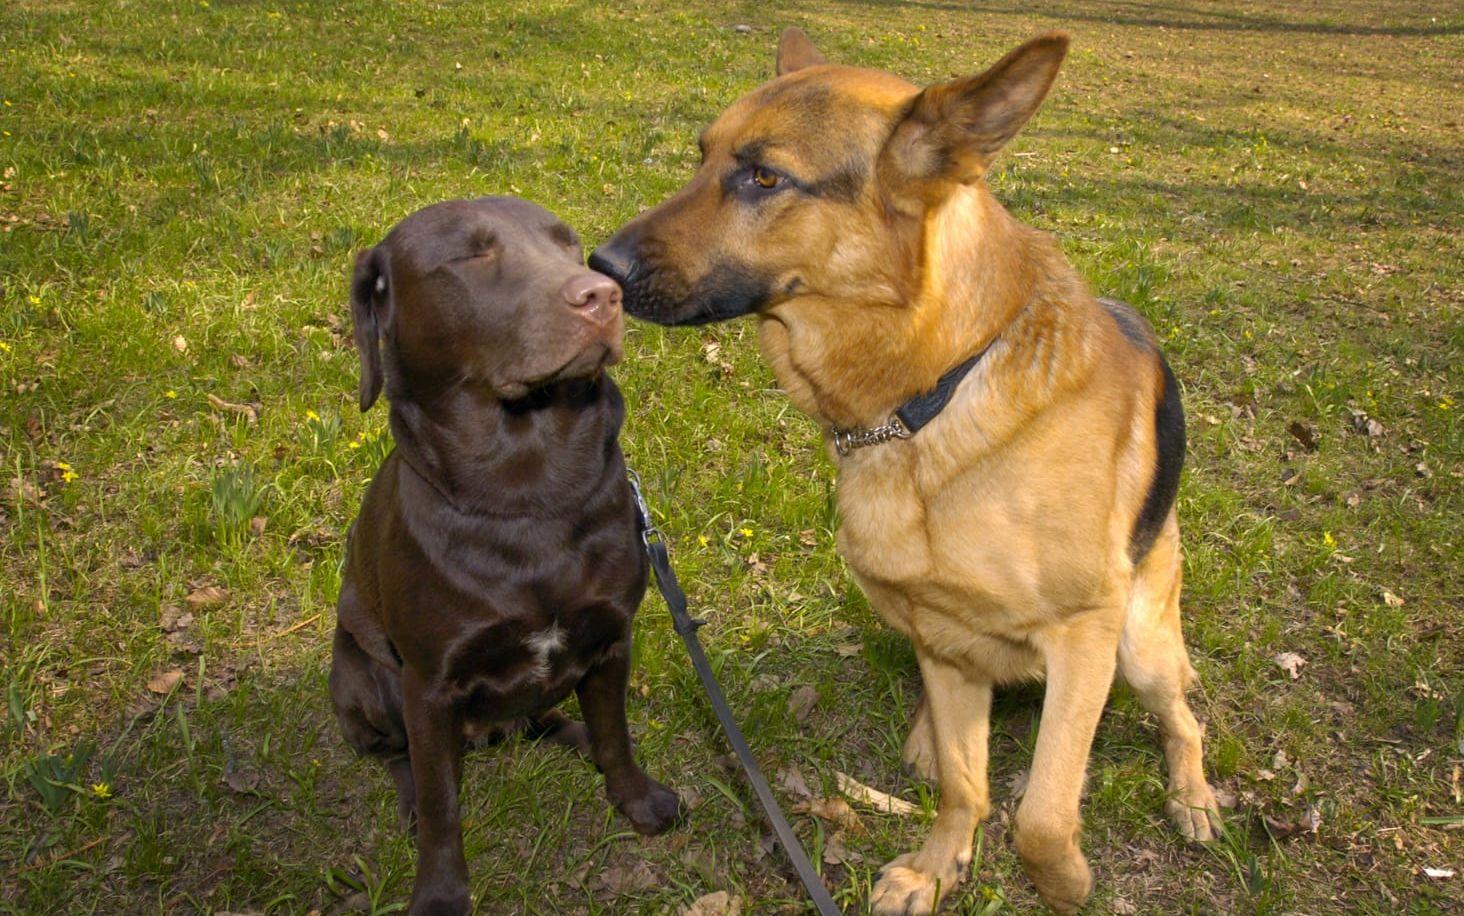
542,644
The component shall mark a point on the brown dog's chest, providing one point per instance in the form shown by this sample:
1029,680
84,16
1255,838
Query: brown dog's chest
509,616
519,666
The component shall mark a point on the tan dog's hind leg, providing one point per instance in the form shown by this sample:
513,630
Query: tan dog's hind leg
919,752
1152,659
1080,656
958,710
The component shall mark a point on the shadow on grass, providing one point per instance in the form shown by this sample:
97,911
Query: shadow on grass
1162,15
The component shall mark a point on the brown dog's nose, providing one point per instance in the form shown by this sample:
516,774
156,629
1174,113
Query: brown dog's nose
596,294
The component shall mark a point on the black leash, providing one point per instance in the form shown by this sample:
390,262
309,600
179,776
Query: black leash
686,627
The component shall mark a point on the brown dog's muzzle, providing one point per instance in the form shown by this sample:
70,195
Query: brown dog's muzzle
593,296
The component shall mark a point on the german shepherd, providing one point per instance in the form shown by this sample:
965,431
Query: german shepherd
1028,528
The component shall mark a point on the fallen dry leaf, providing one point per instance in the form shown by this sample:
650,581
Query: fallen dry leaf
712,353
206,597
180,343
166,681
880,801
1279,829
171,618
717,903
628,879
244,782
1290,662
849,649
836,853
793,783
26,491
1439,874
1392,600
801,702
1303,434
834,810
1366,425
1018,783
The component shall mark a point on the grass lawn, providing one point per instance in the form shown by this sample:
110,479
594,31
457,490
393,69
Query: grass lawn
1276,185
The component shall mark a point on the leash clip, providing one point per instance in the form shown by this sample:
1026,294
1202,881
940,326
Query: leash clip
649,531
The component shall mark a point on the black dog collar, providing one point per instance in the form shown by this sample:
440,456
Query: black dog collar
911,416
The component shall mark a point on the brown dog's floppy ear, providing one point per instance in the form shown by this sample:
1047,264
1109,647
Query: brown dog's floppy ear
953,130
795,52
370,307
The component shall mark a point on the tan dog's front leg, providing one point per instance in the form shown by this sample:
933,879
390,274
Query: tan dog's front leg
1081,657
958,706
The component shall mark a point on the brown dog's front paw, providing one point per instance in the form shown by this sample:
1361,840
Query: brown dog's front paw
457,904
654,811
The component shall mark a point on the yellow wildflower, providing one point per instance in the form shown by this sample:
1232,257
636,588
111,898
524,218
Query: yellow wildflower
67,474
101,790
312,415
170,393
745,532
703,540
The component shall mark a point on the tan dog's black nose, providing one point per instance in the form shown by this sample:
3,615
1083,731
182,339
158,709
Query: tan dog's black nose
596,294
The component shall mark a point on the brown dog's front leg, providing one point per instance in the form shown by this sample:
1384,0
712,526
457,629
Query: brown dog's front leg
434,741
651,807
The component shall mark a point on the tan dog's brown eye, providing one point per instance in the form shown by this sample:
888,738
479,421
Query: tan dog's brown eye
766,178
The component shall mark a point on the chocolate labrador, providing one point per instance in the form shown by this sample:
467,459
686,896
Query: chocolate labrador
495,565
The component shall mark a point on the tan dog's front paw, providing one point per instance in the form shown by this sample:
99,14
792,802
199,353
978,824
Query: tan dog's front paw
1063,886
1195,813
905,890
1052,860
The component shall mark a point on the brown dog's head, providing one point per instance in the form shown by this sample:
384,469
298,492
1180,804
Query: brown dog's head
490,292
816,184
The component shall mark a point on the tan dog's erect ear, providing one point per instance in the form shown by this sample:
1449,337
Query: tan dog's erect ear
795,52
370,309
953,130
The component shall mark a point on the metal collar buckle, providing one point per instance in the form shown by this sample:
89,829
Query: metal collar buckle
847,440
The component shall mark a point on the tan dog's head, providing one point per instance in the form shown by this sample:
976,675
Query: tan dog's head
816,184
